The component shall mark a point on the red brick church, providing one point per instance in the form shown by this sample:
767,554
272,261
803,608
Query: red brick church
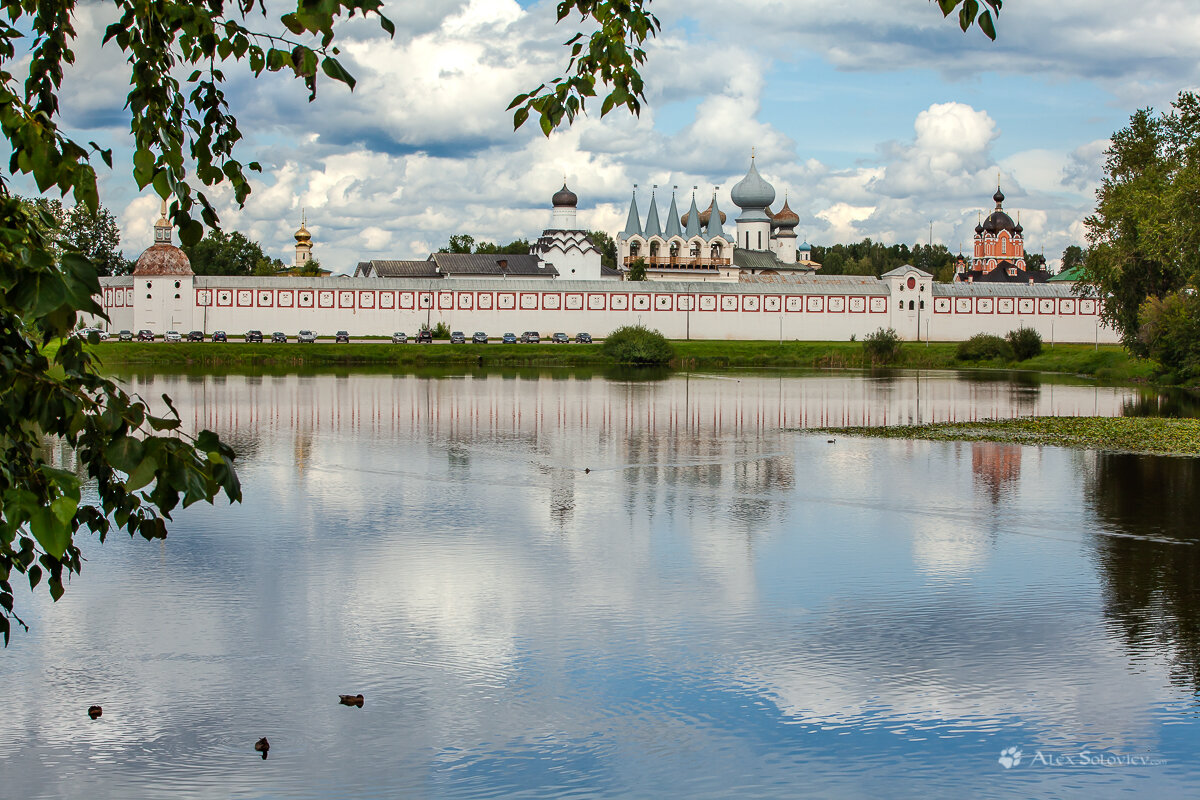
999,252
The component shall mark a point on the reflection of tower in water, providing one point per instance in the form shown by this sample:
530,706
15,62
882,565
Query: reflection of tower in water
997,467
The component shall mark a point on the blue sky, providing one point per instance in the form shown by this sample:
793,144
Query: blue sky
875,118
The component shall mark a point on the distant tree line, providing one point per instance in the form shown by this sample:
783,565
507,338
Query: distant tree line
869,257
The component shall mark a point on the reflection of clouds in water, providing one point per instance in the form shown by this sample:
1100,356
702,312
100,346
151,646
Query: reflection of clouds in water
712,586
946,549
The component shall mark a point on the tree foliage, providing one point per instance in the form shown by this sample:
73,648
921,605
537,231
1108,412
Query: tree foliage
636,270
1074,256
465,243
140,464
230,253
91,233
607,246
875,258
1144,238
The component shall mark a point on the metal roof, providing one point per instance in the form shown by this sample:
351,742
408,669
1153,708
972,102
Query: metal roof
458,264
1003,290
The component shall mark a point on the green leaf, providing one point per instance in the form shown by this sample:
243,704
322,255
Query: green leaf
51,533
142,474
334,69
987,25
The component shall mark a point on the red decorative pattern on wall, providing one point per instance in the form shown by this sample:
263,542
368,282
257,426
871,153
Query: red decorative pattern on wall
641,302
286,298
1005,305
325,299
879,305
814,303
345,299
266,298
366,299
551,301
445,301
1066,306
506,301
984,305
664,302
857,305
573,301
387,299
836,304
795,304
597,302
941,305
618,302
772,302
466,300
708,302
529,301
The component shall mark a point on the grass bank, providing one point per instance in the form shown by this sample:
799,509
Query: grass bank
1157,435
1109,362
365,354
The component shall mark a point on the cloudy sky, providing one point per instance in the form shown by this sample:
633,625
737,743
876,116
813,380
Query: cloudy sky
877,118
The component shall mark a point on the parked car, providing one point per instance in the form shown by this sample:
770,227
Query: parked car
457,337
145,335
85,334
278,337
195,336
306,337
254,336
219,336
530,337
341,337
560,338
583,338
479,338
173,336
509,338
425,336
125,336
399,337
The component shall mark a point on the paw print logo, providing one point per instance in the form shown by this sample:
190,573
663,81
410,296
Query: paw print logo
1010,757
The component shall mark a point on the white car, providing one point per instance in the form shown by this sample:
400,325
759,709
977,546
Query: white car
83,333
173,336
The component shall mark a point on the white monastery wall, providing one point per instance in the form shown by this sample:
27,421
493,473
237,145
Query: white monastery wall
813,310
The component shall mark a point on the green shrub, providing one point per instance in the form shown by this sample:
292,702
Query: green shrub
634,344
441,331
984,347
1170,330
882,346
1025,343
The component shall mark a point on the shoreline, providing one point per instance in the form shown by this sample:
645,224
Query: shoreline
1108,363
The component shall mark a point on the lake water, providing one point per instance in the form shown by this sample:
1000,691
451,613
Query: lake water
561,585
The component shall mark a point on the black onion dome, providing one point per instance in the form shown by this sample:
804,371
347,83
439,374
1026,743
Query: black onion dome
1018,229
979,228
564,197
998,196
999,221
